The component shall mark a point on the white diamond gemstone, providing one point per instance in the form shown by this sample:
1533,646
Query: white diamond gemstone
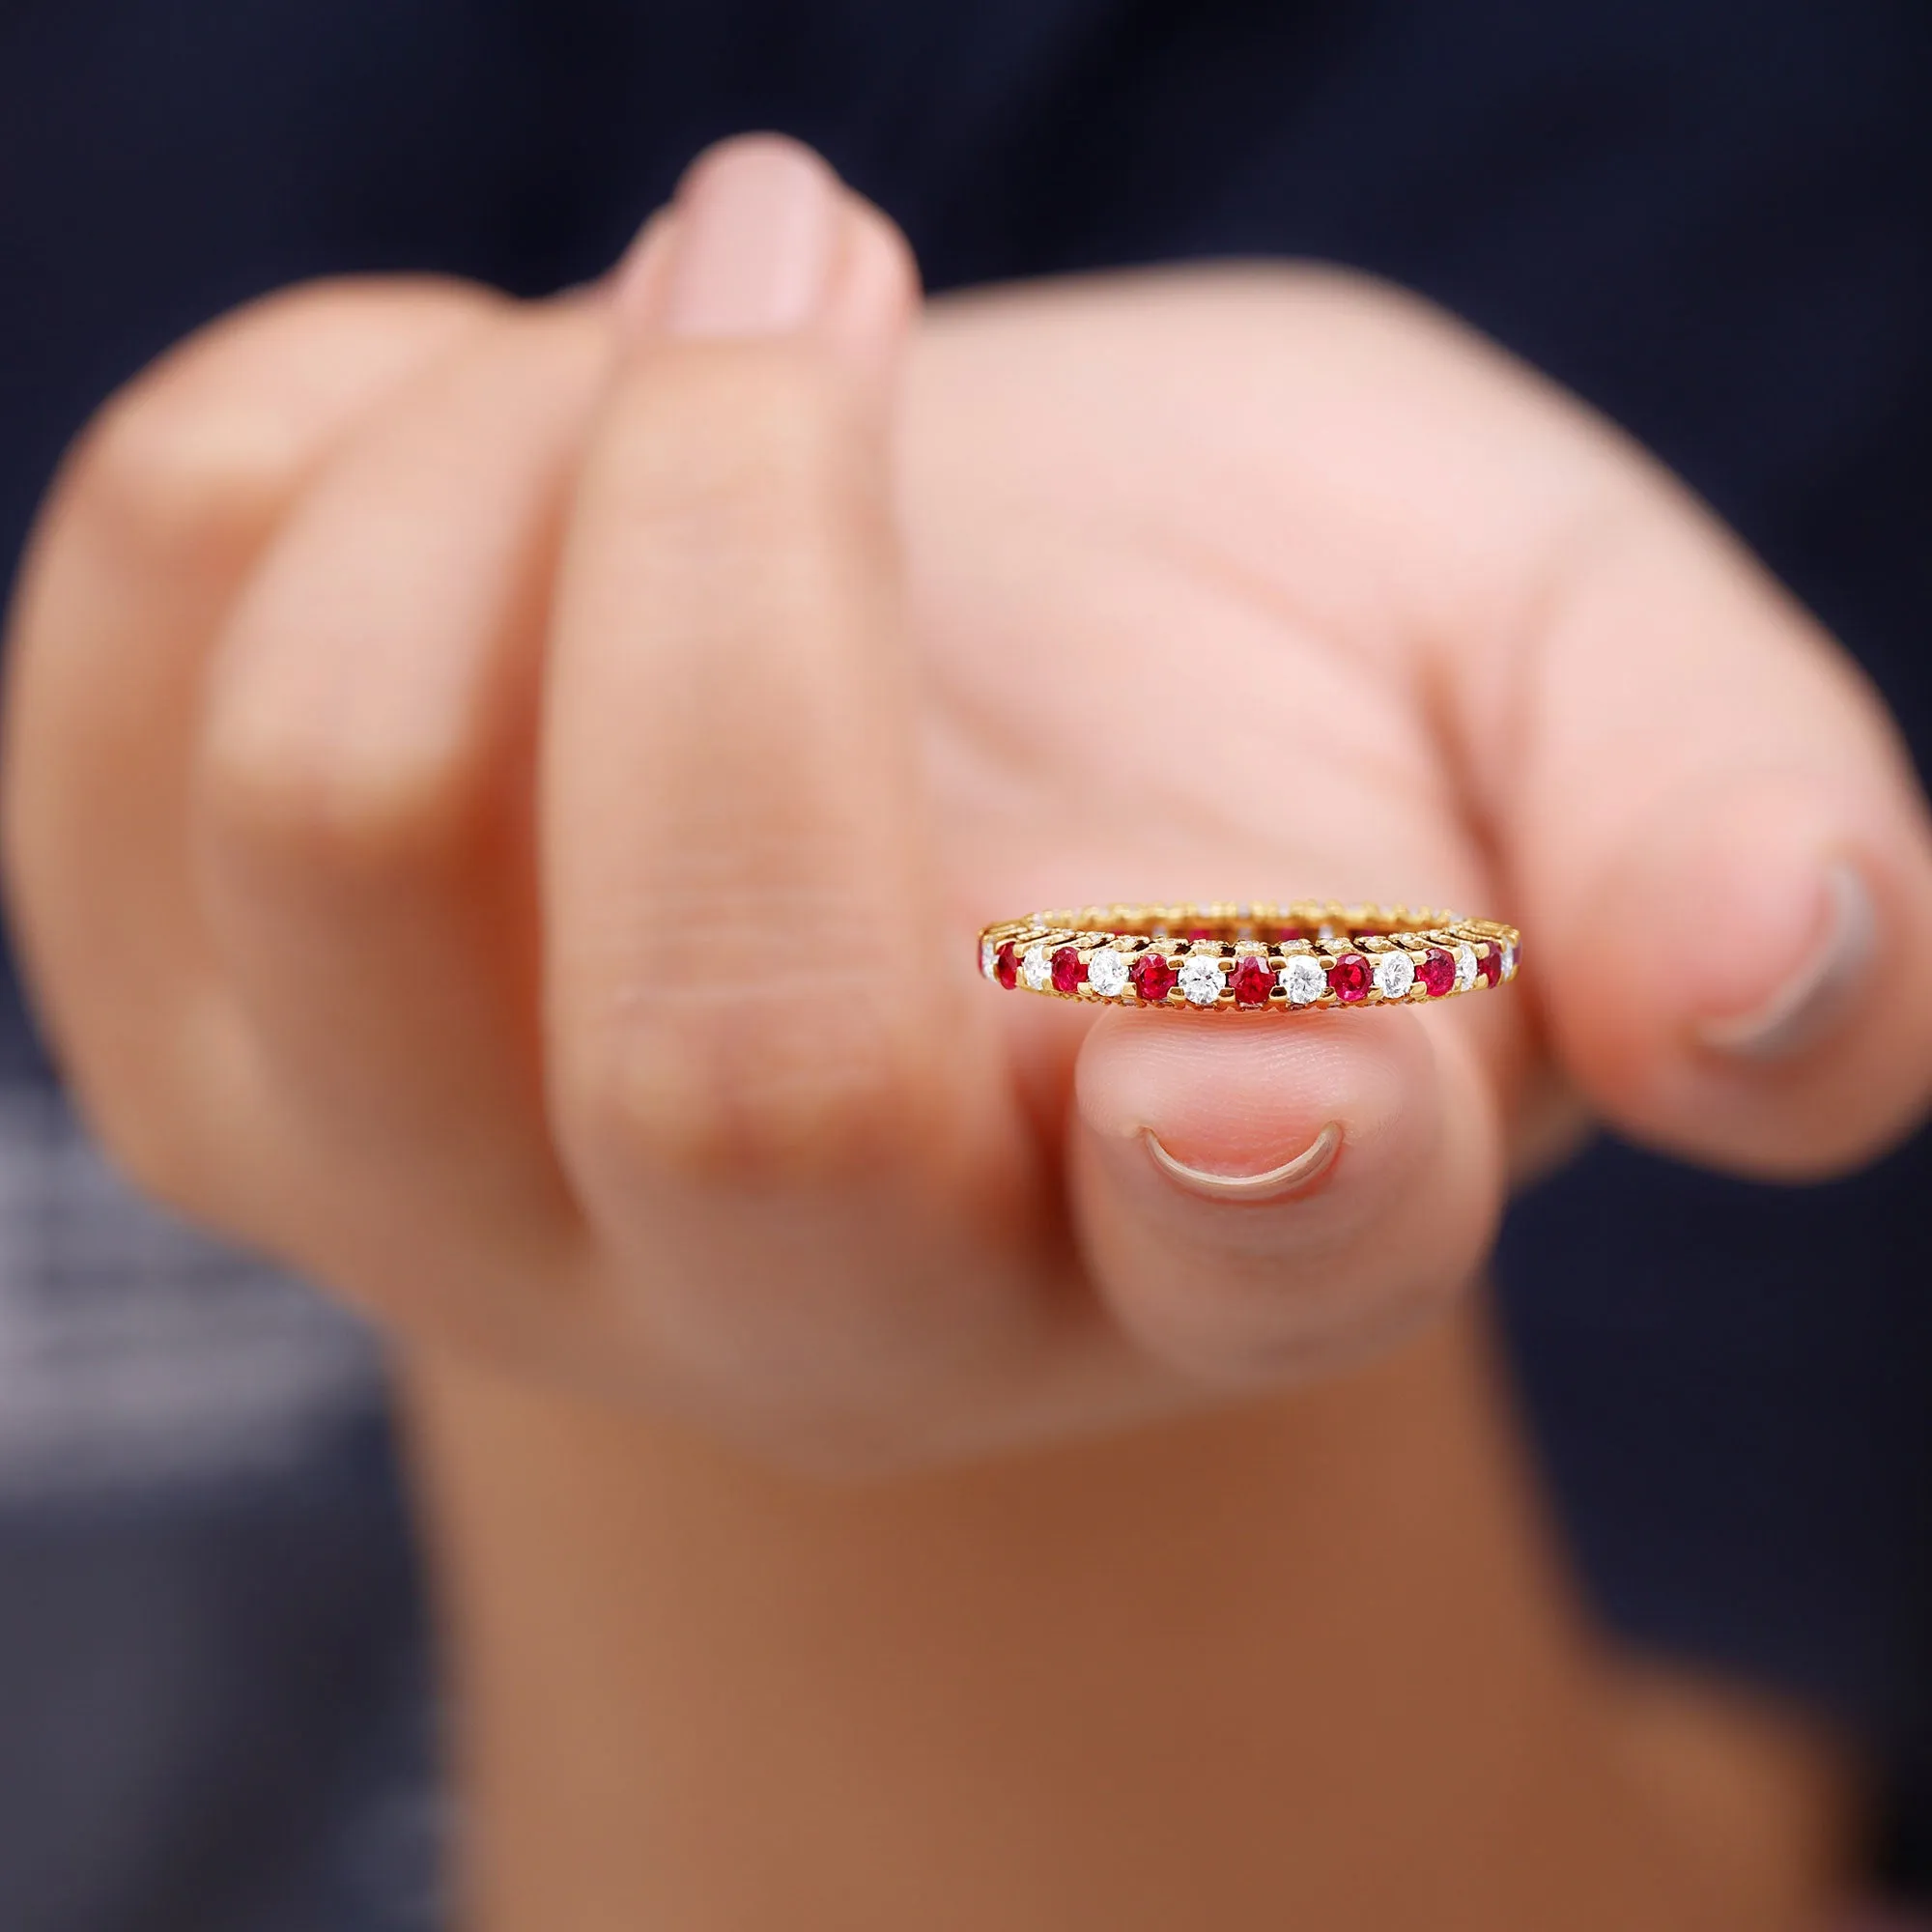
1037,969
1509,962
1302,979
1395,974
989,955
1200,980
1466,967
1107,973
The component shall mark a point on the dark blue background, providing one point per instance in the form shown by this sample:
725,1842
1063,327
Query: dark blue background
1715,220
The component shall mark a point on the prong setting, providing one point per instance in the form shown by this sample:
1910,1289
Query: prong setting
1262,958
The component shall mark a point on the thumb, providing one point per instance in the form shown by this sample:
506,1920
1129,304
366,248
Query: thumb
1721,852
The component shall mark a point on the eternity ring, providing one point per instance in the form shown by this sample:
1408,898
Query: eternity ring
1252,957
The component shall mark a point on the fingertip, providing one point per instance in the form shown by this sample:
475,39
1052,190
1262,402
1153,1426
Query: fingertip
1745,990
764,151
762,237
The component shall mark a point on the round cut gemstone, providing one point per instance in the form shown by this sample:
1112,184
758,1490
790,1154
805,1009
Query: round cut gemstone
1466,967
1200,980
1107,973
1036,968
1395,974
1154,977
1437,972
1302,979
1066,974
1252,982
1007,966
1490,965
1350,979
988,954
1509,961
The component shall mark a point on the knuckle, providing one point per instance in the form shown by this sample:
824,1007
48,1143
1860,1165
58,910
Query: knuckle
174,473
713,1090
193,459
276,791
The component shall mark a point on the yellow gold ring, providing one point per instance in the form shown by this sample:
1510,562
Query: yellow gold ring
1249,959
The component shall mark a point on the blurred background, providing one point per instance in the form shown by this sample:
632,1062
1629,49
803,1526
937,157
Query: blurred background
1714,220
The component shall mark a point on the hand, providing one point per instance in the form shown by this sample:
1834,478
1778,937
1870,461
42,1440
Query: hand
499,798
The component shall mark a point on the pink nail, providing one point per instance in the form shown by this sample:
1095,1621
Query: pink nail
1820,989
757,220
1292,1177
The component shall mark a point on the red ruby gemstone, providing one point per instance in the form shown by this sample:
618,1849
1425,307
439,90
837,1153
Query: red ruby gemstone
1350,977
1287,935
1154,977
1490,964
1252,982
1437,972
1200,932
1007,966
1067,971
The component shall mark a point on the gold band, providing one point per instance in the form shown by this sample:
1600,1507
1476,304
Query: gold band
1253,959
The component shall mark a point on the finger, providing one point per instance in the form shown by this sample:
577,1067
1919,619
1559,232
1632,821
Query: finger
1262,1201
157,517
363,812
762,1081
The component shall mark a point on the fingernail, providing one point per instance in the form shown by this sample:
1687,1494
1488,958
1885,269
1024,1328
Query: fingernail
756,224
1820,989
1292,1177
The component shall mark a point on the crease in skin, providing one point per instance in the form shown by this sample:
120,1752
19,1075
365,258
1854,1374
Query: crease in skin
1292,1177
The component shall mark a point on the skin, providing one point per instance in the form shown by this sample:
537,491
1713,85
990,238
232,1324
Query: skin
429,713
